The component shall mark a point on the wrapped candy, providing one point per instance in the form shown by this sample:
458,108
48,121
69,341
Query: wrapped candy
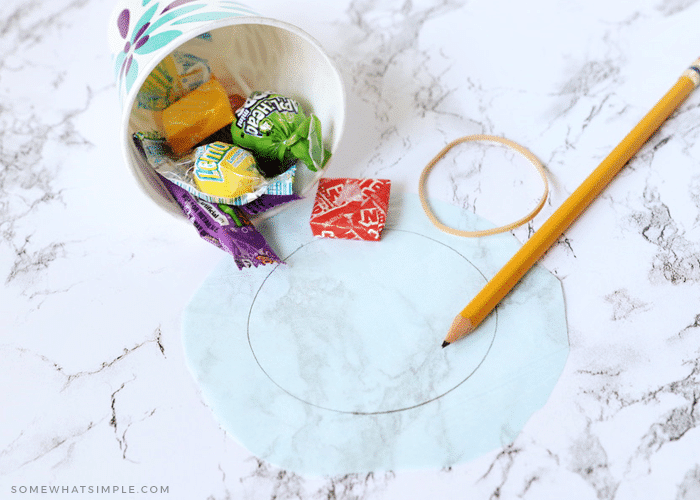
226,227
217,172
278,132
196,116
225,171
176,75
353,209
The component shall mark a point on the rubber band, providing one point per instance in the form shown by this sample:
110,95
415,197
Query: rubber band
502,229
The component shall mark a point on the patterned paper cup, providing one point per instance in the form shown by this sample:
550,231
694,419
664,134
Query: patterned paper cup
226,40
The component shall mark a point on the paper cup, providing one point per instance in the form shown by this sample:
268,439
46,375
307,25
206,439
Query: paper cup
244,51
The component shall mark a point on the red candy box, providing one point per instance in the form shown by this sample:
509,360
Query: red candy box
352,209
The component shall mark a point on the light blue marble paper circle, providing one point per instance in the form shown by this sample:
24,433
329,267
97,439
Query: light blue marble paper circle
361,347
332,363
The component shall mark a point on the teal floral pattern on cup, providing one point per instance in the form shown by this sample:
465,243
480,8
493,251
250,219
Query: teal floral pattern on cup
151,28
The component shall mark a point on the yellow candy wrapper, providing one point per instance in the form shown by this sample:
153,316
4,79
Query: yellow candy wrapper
178,74
226,171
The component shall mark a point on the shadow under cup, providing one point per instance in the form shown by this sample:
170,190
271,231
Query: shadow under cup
245,55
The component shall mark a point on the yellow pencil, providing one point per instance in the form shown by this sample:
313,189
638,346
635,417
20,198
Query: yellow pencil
502,283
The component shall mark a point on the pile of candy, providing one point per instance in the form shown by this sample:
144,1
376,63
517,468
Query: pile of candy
226,157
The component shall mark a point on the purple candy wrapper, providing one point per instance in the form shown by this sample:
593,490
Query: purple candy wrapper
267,202
227,227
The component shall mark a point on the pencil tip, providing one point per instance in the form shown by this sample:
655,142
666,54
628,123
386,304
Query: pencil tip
445,344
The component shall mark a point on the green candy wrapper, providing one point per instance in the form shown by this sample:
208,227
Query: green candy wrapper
278,133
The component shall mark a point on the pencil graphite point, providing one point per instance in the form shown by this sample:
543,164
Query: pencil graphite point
445,343
461,326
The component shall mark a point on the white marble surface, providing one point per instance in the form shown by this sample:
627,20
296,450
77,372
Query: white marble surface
95,390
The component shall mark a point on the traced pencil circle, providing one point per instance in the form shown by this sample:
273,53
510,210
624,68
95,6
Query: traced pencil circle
399,408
